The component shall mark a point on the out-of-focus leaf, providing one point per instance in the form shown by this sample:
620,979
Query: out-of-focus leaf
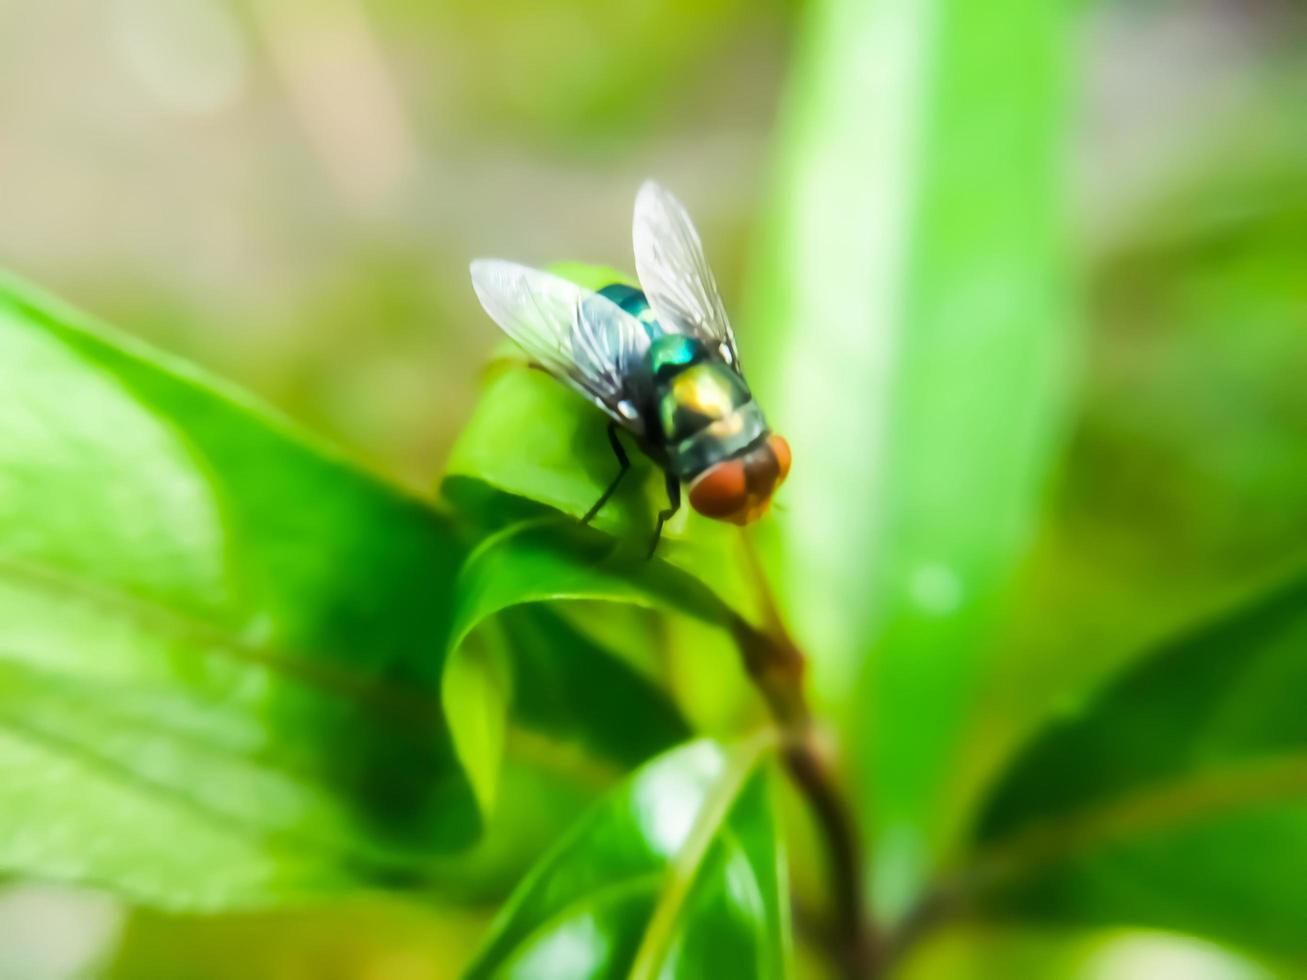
220,645
676,874
535,439
984,951
543,789
355,937
1184,487
1176,798
907,329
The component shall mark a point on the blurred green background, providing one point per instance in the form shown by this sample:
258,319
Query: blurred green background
287,192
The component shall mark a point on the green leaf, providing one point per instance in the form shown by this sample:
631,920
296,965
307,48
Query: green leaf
474,694
906,332
676,874
540,793
551,558
568,686
1175,798
541,560
221,645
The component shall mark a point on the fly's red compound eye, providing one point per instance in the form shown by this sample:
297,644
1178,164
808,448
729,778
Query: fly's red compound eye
739,490
721,491
781,450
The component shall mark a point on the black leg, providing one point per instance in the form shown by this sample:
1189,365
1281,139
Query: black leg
674,500
625,463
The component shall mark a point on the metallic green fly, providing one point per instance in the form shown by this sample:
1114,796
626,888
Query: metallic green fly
660,361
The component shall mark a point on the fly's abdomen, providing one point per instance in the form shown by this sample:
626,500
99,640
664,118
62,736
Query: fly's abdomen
706,415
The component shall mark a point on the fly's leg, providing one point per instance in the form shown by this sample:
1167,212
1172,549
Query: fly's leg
625,464
674,502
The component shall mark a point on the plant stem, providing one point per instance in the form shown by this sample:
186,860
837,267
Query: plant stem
777,667
857,948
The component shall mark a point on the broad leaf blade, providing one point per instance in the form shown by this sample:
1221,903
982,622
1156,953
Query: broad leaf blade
213,634
675,874
906,333
1176,798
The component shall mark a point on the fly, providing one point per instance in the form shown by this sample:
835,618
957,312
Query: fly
660,361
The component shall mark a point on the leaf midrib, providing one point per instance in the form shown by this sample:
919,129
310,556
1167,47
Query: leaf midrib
681,876
388,701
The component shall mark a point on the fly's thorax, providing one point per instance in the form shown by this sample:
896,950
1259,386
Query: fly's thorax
697,396
671,355
720,439
704,409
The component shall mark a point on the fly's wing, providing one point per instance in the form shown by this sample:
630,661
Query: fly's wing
675,275
583,339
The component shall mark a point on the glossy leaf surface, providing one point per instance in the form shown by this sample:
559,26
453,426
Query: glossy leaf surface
221,645
1176,798
675,874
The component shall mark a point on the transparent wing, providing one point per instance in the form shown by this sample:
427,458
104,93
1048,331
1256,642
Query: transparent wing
583,339
675,275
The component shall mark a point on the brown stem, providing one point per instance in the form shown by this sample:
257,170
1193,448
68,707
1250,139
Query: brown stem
856,945
777,666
